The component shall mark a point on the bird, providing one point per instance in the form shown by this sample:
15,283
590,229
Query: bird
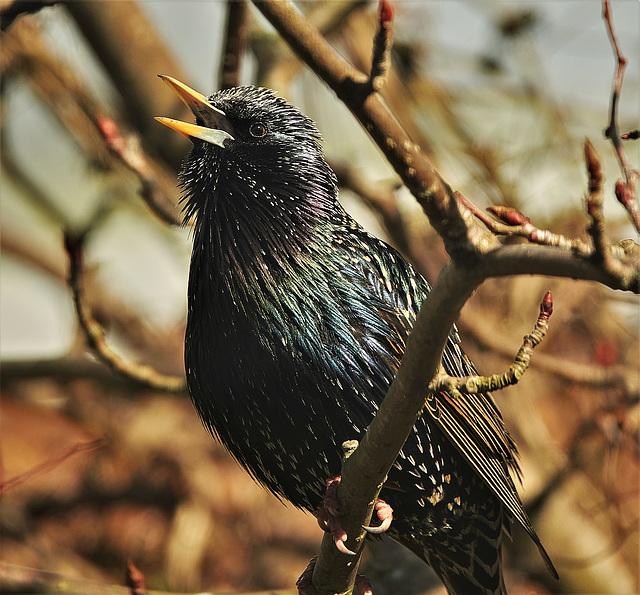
296,326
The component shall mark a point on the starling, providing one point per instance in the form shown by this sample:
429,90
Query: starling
297,322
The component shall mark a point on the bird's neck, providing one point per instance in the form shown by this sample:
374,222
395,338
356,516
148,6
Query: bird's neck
255,234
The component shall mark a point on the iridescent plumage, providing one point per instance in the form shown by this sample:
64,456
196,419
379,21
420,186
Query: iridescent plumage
297,323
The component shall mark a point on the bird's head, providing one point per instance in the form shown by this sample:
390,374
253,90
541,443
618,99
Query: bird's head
251,150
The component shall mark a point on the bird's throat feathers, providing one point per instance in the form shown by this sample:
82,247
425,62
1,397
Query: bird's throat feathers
253,215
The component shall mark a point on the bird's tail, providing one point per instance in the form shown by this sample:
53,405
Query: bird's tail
481,577
468,557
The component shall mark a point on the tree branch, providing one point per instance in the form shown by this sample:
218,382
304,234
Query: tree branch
514,224
235,41
458,387
9,485
141,374
626,192
460,232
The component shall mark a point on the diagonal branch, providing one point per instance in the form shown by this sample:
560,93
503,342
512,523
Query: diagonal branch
7,486
460,232
141,374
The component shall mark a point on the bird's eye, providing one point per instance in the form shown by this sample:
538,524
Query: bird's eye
258,130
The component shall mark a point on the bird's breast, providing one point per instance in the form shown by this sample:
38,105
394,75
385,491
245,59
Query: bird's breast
260,376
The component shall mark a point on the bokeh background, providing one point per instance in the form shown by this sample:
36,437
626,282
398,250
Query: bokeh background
98,470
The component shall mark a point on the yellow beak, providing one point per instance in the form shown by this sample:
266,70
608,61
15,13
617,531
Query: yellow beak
218,129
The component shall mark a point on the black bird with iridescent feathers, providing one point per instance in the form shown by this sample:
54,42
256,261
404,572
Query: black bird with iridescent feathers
298,319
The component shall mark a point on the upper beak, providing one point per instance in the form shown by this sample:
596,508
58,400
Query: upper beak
218,129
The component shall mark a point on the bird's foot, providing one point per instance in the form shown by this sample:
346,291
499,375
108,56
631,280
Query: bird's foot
385,514
305,587
328,516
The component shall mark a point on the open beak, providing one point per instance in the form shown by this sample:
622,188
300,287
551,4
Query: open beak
217,127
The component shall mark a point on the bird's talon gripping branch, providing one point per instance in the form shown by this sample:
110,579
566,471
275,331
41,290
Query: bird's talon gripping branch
339,539
385,514
328,513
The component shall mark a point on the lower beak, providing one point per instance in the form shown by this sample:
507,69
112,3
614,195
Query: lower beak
209,135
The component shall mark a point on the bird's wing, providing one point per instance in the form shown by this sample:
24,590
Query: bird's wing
472,423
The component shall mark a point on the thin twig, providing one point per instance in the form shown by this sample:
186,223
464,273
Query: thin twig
382,42
626,192
514,223
594,202
25,51
626,272
618,376
132,58
611,131
11,484
65,369
457,387
141,374
626,195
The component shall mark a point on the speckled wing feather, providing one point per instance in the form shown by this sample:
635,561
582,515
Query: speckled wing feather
473,423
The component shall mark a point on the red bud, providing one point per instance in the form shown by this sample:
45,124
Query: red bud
547,304
111,133
622,192
386,12
606,353
508,215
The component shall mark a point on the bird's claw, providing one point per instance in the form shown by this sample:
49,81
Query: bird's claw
340,544
385,514
328,514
